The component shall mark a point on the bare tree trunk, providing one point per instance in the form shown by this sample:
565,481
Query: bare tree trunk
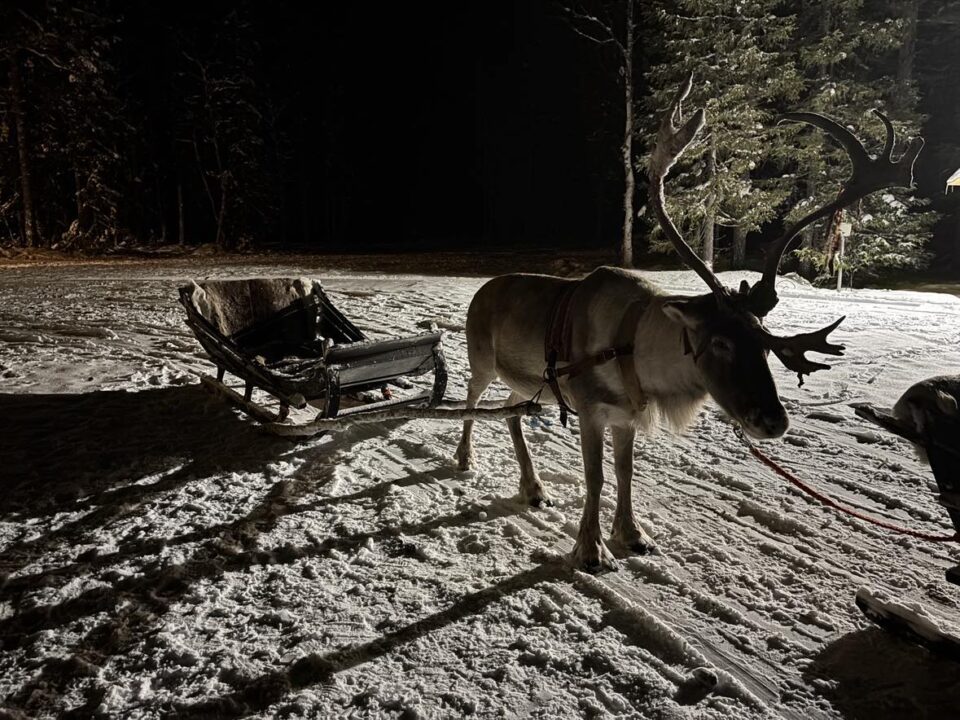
203,176
739,247
85,214
807,237
907,54
626,246
707,229
78,191
180,213
23,150
221,214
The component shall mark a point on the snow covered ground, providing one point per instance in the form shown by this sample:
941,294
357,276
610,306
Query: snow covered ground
161,556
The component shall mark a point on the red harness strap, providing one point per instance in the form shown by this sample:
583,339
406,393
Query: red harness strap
559,331
552,375
557,348
831,503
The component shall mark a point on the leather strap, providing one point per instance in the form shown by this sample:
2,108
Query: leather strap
557,340
622,352
550,377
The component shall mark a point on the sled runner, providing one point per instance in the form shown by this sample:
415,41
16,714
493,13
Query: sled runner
286,338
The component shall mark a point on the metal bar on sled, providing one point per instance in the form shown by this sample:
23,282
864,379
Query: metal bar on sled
369,413
399,411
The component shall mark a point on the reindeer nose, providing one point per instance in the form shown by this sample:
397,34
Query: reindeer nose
766,424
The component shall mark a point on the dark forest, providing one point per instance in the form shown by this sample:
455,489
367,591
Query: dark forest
333,127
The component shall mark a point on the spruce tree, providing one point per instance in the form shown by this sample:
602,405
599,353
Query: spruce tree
848,54
737,53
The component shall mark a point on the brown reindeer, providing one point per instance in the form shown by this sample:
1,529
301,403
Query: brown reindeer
632,355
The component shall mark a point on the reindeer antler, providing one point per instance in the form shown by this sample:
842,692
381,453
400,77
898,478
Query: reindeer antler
790,350
672,141
868,175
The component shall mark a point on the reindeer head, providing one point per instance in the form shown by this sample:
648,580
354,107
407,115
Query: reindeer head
723,330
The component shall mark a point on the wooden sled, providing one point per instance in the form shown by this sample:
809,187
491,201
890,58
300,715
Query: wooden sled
285,339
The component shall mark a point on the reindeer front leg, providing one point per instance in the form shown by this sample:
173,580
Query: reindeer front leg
590,551
627,533
531,488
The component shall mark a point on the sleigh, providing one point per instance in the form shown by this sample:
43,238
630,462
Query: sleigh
292,350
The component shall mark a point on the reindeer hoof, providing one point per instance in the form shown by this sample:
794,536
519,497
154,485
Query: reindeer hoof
639,547
464,460
541,501
594,558
634,540
597,567
533,494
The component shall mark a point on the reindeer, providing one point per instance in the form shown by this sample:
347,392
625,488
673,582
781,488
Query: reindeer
635,355
930,408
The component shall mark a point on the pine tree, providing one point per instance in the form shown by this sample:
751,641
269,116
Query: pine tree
735,50
849,58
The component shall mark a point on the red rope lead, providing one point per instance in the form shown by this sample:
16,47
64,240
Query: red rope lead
831,503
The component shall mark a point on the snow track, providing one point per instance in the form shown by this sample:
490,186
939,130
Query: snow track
163,557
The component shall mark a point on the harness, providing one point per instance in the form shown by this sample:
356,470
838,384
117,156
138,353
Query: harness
557,349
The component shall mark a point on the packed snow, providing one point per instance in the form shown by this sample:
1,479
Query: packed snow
163,556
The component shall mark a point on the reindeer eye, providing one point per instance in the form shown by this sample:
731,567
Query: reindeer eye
721,346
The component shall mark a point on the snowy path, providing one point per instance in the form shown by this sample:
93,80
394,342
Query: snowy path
164,557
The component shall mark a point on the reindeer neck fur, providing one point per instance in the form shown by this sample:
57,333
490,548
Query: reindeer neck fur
669,378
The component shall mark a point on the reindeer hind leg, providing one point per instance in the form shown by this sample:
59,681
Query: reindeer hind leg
475,389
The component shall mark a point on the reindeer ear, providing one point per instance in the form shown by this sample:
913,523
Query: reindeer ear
682,312
947,403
